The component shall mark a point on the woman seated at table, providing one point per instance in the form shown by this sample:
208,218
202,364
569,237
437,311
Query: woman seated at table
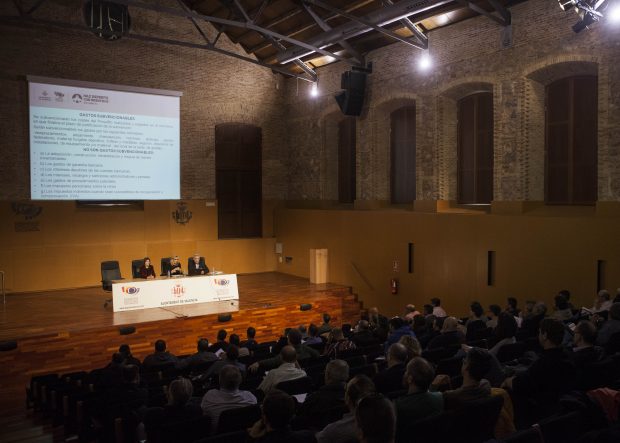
147,270
175,266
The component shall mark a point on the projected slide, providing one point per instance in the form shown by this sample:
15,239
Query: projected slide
100,144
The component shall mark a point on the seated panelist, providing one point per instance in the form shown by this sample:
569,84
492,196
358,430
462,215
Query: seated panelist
147,270
175,266
197,266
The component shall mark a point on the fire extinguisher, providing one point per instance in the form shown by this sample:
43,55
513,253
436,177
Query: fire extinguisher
394,285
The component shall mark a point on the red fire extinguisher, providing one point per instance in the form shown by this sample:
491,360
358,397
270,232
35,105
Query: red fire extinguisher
394,285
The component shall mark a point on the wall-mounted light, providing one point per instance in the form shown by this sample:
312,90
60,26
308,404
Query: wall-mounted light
614,13
425,62
314,90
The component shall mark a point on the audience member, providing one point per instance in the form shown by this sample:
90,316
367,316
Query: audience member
505,332
363,336
477,321
313,335
418,403
230,358
391,378
438,311
603,302
228,396
337,344
202,356
315,410
410,313
378,323
530,325
294,339
450,335
345,429
251,342
413,346
234,340
125,350
427,310
475,387
288,370
220,343
128,400
585,351
548,377
278,409
325,327
493,313
159,358
511,306
177,409
610,327
375,419
562,310
112,374
566,294
398,328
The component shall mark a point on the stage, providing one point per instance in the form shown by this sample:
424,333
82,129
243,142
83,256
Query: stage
70,330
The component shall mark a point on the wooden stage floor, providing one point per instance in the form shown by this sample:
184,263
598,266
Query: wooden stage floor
41,313
70,330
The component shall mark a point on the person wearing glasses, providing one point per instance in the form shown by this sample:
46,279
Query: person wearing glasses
197,267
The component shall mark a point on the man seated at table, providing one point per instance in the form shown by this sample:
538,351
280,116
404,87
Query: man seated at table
197,267
175,266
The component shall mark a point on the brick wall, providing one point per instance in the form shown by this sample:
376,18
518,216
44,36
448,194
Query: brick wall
467,56
216,89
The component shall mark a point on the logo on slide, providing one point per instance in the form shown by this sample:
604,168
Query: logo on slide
44,97
178,290
130,290
77,98
59,96
221,281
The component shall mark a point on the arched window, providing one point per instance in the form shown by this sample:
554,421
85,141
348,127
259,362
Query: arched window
346,160
402,147
475,148
571,140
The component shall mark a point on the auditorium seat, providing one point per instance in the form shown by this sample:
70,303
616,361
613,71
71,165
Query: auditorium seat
511,351
135,267
530,435
110,270
613,345
230,437
563,428
450,366
368,370
356,360
475,423
185,431
165,265
302,385
238,419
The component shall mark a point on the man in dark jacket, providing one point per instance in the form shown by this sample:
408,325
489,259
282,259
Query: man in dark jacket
391,379
159,358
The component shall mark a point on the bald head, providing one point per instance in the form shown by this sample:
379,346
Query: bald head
288,354
397,353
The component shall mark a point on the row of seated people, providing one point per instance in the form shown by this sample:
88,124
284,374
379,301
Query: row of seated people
535,383
169,266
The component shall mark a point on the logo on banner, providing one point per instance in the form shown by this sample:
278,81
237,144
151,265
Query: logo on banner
221,281
178,290
130,290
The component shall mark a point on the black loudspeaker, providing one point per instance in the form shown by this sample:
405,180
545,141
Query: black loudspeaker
351,100
8,345
305,307
127,330
223,318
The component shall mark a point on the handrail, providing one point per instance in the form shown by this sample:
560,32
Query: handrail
362,276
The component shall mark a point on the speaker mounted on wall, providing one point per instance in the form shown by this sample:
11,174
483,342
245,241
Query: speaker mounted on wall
353,83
